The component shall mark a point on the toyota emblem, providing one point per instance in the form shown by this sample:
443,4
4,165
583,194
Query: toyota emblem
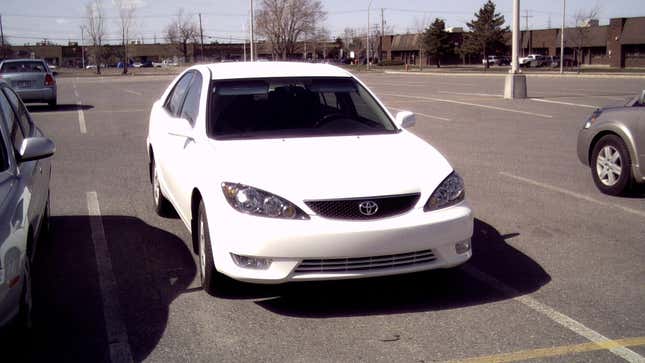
368,208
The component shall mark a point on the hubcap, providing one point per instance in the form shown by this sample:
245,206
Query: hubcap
202,249
609,165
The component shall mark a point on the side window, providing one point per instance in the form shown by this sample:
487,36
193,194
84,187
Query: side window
190,110
4,105
15,133
176,98
23,116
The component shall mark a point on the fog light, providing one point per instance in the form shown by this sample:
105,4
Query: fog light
462,247
251,262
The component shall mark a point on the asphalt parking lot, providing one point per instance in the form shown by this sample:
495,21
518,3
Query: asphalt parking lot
557,273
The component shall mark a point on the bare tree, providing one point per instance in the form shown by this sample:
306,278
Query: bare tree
420,26
285,22
181,31
126,10
584,21
96,29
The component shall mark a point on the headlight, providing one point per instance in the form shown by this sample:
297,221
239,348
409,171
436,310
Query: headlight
257,202
594,116
451,191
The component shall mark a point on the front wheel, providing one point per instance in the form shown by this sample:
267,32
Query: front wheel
161,204
611,165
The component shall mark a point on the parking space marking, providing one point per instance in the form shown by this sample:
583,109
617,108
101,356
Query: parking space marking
81,115
574,194
563,103
470,104
421,114
472,94
554,351
115,328
133,92
556,316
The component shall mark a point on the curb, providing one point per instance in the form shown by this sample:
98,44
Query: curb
532,75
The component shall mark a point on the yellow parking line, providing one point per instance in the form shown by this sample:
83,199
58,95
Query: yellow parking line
554,351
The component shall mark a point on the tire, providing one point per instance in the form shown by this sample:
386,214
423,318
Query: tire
611,165
213,282
52,103
161,204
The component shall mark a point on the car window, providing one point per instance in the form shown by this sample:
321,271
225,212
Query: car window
19,107
190,109
4,106
294,107
176,98
23,67
11,120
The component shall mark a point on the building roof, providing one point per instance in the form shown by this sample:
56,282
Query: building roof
633,31
239,70
406,42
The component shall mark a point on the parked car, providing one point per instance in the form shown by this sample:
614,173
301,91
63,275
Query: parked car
146,64
25,171
287,172
552,61
494,60
612,143
532,60
31,79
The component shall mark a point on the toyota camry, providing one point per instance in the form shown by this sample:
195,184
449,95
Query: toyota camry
293,172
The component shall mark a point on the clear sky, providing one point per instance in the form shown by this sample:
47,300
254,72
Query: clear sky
226,20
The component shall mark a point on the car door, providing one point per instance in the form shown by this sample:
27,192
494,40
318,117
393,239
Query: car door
35,173
169,152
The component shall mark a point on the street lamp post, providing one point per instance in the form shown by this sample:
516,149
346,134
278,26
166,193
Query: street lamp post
82,48
564,10
515,85
367,50
251,31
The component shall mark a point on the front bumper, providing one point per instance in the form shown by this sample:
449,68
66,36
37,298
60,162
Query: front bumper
584,141
288,242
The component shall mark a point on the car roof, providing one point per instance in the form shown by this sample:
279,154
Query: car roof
22,60
244,70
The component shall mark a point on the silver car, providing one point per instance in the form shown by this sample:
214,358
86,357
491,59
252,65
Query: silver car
612,143
25,171
31,78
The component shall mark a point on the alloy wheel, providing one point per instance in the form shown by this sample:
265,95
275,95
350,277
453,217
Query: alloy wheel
609,165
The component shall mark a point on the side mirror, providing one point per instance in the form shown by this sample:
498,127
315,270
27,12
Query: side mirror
405,119
180,127
34,148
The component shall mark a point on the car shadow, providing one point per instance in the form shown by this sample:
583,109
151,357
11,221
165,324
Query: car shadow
58,108
513,273
151,268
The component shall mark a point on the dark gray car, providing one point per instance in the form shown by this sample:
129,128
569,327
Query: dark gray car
612,143
25,171
31,79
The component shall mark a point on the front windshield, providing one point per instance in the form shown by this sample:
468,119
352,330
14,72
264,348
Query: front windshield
294,107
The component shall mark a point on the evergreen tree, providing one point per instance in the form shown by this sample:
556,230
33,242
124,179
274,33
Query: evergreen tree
437,41
486,33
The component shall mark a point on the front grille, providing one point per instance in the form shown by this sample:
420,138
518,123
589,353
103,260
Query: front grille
366,263
350,208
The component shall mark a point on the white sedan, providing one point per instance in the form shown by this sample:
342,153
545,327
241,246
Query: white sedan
294,171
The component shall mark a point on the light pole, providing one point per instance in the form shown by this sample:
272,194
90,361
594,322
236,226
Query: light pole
367,50
564,10
251,31
515,85
82,48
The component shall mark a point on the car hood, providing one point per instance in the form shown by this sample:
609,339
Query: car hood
333,167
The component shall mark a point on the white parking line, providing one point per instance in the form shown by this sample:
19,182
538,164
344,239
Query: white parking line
573,194
470,104
567,322
563,103
133,92
117,335
421,114
81,116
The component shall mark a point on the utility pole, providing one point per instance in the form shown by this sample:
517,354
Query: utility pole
252,20
367,50
201,36
564,10
82,48
4,51
515,84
